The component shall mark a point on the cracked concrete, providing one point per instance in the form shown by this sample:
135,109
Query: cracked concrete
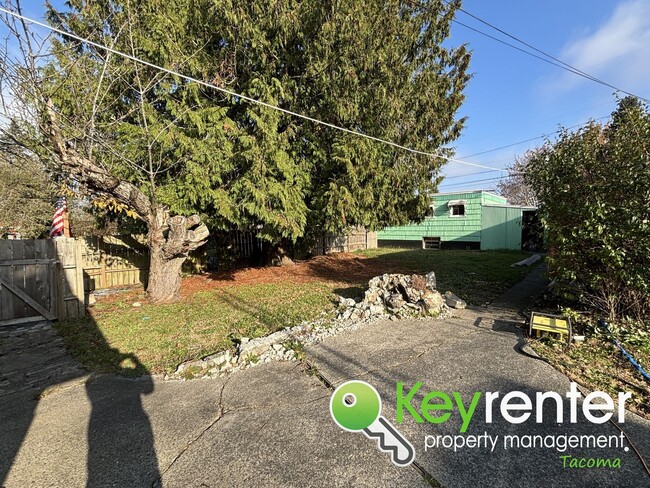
476,350
270,425
220,413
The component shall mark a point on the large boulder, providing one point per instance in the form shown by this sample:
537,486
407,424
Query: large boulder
433,302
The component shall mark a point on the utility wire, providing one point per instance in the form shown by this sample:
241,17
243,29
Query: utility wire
567,65
496,178
513,46
533,138
548,59
468,174
239,96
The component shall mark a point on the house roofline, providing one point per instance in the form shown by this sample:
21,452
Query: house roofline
490,192
523,207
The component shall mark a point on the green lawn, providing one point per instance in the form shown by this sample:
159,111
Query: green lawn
476,276
117,337
163,336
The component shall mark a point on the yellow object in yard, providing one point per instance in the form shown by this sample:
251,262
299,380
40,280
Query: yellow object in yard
542,322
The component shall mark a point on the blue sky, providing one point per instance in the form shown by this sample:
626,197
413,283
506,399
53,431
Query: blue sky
513,97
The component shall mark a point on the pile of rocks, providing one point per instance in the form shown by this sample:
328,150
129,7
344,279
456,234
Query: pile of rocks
391,296
399,296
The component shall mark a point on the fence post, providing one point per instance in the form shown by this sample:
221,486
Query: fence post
70,284
79,275
59,282
102,269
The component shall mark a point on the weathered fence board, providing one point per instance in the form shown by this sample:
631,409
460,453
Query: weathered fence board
6,272
356,240
71,298
110,261
25,281
49,278
27,299
40,279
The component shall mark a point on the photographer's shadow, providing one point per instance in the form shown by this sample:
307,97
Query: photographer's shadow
120,441
121,448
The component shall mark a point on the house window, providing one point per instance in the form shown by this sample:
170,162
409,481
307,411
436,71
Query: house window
431,211
456,208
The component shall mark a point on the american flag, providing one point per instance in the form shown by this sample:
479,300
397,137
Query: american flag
57,223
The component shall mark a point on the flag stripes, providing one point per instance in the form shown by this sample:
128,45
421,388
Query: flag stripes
57,222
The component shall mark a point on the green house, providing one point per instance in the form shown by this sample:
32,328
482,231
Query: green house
467,220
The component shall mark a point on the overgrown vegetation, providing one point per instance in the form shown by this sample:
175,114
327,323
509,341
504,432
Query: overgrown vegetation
598,364
162,336
178,154
594,192
28,197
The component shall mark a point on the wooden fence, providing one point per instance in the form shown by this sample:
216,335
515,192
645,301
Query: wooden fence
50,278
113,261
356,240
40,279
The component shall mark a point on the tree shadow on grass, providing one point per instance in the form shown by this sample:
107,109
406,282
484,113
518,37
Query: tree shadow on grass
350,291
269,320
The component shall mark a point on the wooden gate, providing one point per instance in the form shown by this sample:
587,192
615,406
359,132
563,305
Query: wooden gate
39,279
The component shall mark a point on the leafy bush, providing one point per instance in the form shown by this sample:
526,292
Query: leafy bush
594,192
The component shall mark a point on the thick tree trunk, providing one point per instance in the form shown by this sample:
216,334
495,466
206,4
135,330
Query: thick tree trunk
164,277
170,241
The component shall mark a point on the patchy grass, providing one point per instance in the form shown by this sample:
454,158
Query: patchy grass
476,276
117,337
598,364
162,336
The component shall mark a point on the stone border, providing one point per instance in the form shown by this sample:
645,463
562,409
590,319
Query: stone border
390,296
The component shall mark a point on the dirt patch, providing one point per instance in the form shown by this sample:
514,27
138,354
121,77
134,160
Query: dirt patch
341,268
335,268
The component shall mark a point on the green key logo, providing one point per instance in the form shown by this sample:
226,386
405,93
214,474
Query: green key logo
356,406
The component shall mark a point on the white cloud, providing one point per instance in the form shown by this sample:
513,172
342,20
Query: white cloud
616,52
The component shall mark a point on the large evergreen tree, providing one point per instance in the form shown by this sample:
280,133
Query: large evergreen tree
168,148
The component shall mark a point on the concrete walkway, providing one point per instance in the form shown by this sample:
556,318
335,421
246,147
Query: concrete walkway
271,426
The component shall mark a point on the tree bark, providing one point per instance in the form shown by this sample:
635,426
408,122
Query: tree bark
171,239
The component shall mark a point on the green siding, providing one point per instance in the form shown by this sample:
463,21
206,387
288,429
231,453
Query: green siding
488,220
466,228
501,227
492,199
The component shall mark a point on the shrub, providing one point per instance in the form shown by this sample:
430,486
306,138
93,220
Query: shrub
594,192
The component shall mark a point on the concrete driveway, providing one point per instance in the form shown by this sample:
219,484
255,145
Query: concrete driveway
271,426
477,352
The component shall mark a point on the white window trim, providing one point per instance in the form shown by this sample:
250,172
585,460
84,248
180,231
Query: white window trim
454,203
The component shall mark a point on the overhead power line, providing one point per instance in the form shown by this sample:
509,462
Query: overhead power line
534,138
548,57
468,174
239,96
453,185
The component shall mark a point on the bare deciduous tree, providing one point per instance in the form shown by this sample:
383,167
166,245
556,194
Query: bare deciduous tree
42,78
514,187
